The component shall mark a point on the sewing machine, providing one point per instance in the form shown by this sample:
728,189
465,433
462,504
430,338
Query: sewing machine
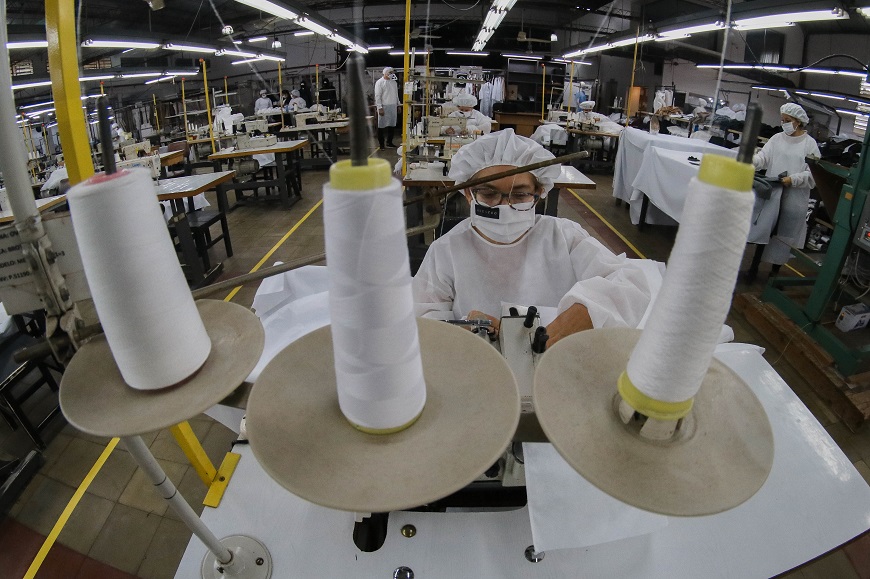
150,162
436,124
261,125
249,142
132,151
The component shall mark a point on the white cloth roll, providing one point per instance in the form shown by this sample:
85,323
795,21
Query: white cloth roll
674,351
151,322
374,332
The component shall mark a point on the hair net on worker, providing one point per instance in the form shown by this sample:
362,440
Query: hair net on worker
388,69
587,105
263,92
738,107
465,100
795,111
503,148
294,93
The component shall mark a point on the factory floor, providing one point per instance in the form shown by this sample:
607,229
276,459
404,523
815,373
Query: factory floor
120,528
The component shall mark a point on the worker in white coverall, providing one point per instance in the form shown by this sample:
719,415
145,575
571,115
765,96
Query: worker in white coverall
785,153
476,123
506,255
387,102
262,103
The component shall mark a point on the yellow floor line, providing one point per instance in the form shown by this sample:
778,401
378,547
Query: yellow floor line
287,235
794,270
609,226
68,511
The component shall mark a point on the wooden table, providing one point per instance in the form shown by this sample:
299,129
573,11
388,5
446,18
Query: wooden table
327,145
42,204
523,123
170,158
199,271
288,176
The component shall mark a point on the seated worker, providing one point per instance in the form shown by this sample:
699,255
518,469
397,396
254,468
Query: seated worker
296,103
506,255
262,103
585,115
477,123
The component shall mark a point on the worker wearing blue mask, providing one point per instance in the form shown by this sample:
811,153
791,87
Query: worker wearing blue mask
786,153
505,254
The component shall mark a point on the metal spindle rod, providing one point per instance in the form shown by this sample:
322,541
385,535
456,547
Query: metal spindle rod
106,147
356,101
167,490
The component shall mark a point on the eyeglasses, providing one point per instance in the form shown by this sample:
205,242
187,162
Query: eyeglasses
493,197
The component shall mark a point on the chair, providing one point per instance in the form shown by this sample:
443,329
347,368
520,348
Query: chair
202,220
18,385
179,146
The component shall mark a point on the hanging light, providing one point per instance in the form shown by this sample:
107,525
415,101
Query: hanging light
276,43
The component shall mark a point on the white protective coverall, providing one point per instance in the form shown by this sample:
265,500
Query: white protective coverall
556,264
386,98
785,153
262,103
477,121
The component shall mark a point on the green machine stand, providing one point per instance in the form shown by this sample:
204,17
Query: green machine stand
808,312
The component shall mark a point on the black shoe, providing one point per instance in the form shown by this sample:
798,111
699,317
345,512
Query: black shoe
381,148
391,145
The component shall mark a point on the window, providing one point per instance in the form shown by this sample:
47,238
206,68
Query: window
764,46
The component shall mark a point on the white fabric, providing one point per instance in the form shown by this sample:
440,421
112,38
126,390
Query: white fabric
556,264
549,133
783,153
632,146
53,181
502,148
262,103
498,89
199,202
796,111
486,100
297,103
477,121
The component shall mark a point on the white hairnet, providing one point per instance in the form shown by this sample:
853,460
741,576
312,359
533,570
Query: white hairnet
388,69
738,107
465,100
587,105
294,93
503,148
263,92
796,111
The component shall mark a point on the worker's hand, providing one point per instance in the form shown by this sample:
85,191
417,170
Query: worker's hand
786,181
450,131
380,112
574,319
493,329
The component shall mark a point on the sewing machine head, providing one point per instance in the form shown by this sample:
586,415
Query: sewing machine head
132,151
259,125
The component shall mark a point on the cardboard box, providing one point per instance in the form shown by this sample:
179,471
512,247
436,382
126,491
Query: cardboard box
853,317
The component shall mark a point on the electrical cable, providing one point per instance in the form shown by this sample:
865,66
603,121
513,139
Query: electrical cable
449,5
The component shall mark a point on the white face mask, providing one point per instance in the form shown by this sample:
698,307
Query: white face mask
788,128
502,223
467,114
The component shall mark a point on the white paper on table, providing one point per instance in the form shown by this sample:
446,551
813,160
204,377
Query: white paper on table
290,322
279,290
567,511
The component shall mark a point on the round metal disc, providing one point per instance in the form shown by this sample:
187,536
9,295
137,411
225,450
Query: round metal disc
302,439
251,560
95,399
721,461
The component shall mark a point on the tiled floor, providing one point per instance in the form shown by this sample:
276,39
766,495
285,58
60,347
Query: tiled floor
122,529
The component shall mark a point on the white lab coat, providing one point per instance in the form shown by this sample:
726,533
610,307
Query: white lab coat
386,98
261,104
557,264
785,153
477,121
296,104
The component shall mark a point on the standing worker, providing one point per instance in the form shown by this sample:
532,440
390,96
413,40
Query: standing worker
387,102
262,103
784,156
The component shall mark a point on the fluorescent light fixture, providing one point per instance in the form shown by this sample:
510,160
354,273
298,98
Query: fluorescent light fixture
526,56
358,48
304,33
276,43
91,43
342,40
269,57
51,125
258,39
239,53
566,61
314,27
771,88
181,72
247,60
584,51
161,79
494,17
864,11
27,44
381,47
504,4
140,74
671,38
42,112
790,18
853,113
31,85
187,47
631,41
100,77
37,105
271,8
460,53
402,52
689,30
827,96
